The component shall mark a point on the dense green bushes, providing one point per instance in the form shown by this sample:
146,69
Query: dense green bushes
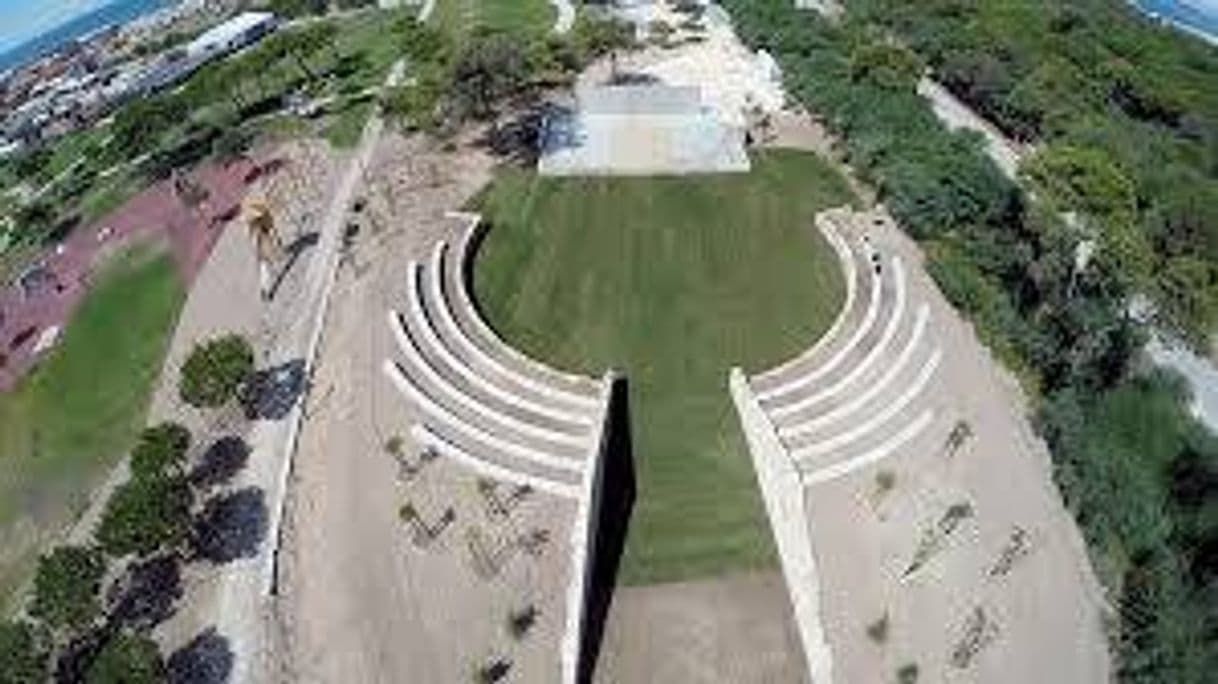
1113,89
66,587
161,450
1143,477
1140,475
455,81
127,659
23,654
215,370
144,515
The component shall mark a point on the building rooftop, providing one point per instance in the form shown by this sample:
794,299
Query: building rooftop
225,32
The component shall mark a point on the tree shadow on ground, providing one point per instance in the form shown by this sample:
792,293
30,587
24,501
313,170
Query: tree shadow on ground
617,494
271,392
221,462
207,659
231,526
523,138
73,659
147,594
294,250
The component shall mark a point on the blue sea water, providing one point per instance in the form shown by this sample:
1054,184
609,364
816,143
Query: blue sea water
117,12
1198,16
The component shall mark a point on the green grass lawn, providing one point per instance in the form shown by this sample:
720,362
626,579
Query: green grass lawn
72,419
459,18
673,281
344,127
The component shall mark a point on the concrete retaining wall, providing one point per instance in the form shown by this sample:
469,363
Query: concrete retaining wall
783,494
584,536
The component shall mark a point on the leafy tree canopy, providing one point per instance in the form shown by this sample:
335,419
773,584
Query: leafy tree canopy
66,586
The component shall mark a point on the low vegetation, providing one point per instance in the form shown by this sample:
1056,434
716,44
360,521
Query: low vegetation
145,514
127,659
216,370
1097,82
23,653
671,280
161,450
66,587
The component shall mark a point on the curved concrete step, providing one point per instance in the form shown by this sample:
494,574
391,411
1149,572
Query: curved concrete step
423,326
561,399
859,399
804,440
876,348
459,278
880,307
904,437
440,415
487,467
419,366
859,276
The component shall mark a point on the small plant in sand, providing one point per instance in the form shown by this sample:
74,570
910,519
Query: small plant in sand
520,621
878,630
491,672
934,538
1018,545
534,541
498,505
907,674
423,532
394,446
979,631
961,432
885,482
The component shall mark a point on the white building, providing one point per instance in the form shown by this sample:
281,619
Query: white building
244,29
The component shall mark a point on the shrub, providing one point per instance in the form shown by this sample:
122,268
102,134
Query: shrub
66,586
23,654
127,659
144,515
215,371
161,450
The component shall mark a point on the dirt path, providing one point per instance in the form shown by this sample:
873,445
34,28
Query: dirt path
735,629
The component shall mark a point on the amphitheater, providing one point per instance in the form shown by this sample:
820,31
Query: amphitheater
505,417
914,518
917,525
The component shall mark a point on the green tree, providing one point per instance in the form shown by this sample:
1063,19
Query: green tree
215,370
161,450
127,659
66,587
1085,180
23,654
145,514
490,69
887,65
133,123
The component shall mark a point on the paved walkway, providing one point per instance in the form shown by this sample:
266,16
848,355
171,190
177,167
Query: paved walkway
237,599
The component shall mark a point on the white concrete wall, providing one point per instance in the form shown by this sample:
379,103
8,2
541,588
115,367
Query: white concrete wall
783,494
584,534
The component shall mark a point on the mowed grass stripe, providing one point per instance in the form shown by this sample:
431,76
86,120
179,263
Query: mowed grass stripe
673,281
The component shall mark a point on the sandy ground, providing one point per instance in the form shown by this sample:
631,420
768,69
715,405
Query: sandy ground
735,629
361,600
982,607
